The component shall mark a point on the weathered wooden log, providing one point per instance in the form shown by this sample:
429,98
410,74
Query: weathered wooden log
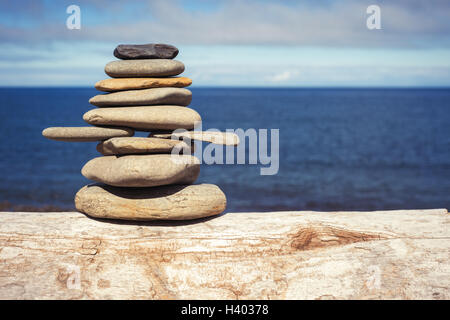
278,255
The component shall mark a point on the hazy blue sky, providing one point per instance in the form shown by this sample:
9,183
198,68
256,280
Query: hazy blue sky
233,43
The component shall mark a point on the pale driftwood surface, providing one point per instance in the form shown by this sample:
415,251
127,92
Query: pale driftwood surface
278,255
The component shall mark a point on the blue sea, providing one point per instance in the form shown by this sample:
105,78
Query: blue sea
340,149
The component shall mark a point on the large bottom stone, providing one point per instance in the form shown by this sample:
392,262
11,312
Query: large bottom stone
175,202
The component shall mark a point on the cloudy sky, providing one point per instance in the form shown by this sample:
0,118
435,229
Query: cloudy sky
232,43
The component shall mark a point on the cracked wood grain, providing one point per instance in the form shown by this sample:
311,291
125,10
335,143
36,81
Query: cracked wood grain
277,255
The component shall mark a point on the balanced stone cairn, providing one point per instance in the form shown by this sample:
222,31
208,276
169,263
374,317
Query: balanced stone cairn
141,178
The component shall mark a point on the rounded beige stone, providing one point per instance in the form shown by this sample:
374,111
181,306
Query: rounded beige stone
111,85
144,68
154,96
179,202
143,170
85,134
135,145
145,118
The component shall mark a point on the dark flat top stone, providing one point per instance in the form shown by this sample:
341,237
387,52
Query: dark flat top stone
145,51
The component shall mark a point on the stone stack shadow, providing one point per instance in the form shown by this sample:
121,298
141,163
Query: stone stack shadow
144,178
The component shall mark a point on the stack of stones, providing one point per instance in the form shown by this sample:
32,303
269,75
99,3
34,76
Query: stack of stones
141,178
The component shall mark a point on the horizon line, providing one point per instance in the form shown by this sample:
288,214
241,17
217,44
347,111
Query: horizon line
237,87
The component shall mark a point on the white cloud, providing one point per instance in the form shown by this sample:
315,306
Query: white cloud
283,76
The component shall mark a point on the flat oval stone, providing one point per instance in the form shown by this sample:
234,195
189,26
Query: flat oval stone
180,202
111,85
145,51
134,145
145,118
85,134
143,170
224,138
144,97
144,68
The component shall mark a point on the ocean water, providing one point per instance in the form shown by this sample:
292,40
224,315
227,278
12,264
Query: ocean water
340,149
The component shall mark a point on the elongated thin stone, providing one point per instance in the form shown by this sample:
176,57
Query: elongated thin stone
144,68
145,118
111,85
85,134
144,97
143,170
179,202
225,138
